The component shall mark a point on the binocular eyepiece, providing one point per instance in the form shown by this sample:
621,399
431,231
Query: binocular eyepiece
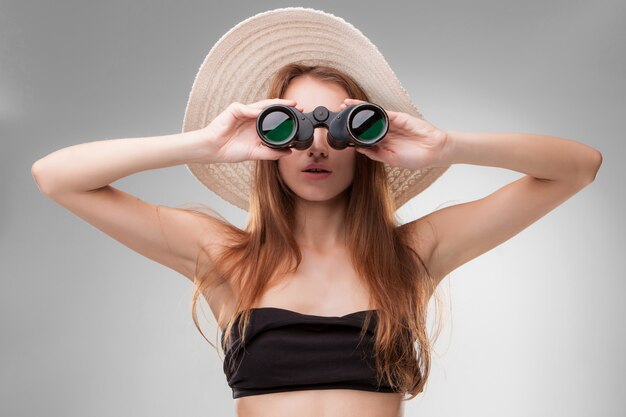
363,124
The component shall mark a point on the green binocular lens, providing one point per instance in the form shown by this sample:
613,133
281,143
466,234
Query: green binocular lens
278,126
367,125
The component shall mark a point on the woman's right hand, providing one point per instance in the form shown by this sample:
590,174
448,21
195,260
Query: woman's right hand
232,135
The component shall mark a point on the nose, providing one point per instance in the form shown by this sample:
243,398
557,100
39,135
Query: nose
319,146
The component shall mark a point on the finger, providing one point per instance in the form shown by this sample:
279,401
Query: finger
396,119
269,101
280,100
349,101
266,153
245,111
371,153
251,110
292,103
392,114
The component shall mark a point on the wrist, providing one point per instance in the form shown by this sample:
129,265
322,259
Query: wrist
446,156
197,146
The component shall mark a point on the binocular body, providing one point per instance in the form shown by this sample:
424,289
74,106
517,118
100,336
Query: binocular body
363,124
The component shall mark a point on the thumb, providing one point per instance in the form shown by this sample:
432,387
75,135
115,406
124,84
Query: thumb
371,153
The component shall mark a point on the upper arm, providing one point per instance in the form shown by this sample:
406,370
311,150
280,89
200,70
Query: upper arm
169,236
460,233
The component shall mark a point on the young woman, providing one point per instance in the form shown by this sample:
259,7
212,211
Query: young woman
322,298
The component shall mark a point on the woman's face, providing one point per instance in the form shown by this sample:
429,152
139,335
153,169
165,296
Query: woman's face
310,93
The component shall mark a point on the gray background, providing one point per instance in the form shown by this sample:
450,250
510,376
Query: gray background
535,327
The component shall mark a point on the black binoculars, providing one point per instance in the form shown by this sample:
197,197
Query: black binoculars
363,124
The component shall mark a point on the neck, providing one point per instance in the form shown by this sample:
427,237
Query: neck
320,225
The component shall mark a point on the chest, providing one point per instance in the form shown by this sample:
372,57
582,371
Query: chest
325,285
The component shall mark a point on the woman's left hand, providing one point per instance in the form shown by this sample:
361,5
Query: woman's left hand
410,143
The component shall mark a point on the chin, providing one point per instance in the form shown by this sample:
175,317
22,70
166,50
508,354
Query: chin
322,196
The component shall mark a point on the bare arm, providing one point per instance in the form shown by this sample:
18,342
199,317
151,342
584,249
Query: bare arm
92,165
78,178
555,168
545,157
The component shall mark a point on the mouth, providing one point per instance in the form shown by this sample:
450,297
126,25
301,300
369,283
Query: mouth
316,174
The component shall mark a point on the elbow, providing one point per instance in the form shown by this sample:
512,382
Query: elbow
596,162
37,175
591,167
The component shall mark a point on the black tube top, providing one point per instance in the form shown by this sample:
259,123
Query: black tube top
288,351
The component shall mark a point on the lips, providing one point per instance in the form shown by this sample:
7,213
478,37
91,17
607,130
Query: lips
316,175
317,168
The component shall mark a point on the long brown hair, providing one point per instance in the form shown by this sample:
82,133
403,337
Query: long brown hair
254,259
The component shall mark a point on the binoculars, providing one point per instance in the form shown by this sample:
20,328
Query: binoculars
363,124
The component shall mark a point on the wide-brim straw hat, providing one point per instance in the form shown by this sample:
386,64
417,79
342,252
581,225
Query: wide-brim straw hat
241,63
